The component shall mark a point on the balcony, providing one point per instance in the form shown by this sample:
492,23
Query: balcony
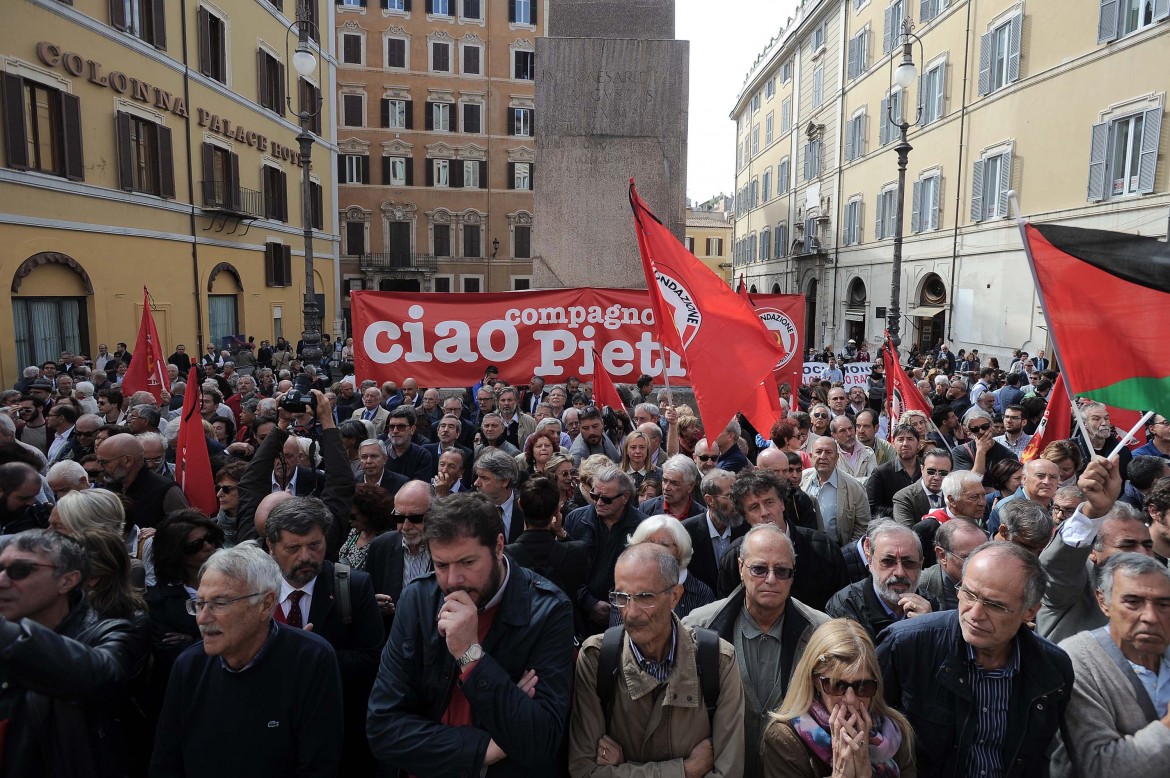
397,261
235,201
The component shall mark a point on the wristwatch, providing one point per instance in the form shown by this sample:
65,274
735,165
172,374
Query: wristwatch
473,653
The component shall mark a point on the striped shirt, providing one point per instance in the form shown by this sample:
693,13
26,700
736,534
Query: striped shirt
993,697
659,671
415,565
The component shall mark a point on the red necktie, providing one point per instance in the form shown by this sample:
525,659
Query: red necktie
294,618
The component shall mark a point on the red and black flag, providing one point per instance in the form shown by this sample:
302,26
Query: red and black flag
1106,296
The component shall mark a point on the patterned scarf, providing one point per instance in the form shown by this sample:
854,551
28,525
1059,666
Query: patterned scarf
884,740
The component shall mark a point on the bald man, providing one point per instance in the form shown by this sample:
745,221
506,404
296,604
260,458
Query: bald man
152,496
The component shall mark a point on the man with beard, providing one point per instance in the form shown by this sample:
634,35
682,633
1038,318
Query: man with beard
152,496
592,439
312,597
476,675
1100,429
888,594
404,456
1013,435
20,486
713,530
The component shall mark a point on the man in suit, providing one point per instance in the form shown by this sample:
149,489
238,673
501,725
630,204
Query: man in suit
289,475
404,456
310,599
533,396
925,494
518,425
713,530
496,474
372,410
901,471
397,558
841,498
679,475
372,457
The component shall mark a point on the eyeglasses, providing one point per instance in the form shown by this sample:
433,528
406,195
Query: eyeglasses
863,689
225,488
781,572
104,462
413,518
980,429
21,569
936,471
197,545
707,457
604,499
1063,510
397,426
644,600
994,608
217,607
889,563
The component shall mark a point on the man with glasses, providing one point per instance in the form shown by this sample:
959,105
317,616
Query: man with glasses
658,661
33,429
953,543
1014,437
768,628
981,452
404,456
1158,435
1040,482
889,593
605,526
924,495
61,422
705,457
478,668
154,454
268,692
398,557
1065,502
152,496
713,530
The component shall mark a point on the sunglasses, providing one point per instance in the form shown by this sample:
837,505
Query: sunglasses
20,569
413,518
863,689
761,571
980,429
603,499
936,471
820,415
197,545
707,457
225,488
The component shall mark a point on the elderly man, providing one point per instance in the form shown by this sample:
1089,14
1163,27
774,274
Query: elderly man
768,628
65,669
838,402
713,530
888,594
984,694
1100,429
679,476
372,456
981,453
235,688
731,457
372,410
1118,722
705,456
924,495
477,670
1026,524
533,396
592,439
953,543
152,496
1097,530
449,432
619,722
854,458
404,456
1041,479
518,425
841,498
902,471
398,557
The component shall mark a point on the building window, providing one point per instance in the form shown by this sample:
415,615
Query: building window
756,102
472,118
933,89
851,232
812,159
352,110
351,49
144,19
471,174
355,169
317,205
1124,155
521,175
309,101
277,265
924,211
990,182
858,55
441,235
471,60
714,247
818,37
520,123
689,241
524,65
855,137
522,242
891,106
440,117
766,244
999,56
522,11
769,127
818,90
786,72
1125,17
886,213
221,179
395,171
930,9
472,283
213,45
400,6
440,173
271,87
274,187
521,283
396,53
892,29
440,57
443,283
755,140
767,185
770,88
472,10
472,245
785,115
42,128
396,114
145,156
439,7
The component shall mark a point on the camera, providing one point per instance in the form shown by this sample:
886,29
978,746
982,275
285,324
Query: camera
300,398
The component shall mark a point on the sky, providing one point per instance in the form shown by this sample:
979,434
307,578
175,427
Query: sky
723,46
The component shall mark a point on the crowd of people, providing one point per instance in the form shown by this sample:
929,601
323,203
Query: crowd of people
508,580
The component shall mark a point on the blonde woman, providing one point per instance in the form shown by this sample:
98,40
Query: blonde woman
833,720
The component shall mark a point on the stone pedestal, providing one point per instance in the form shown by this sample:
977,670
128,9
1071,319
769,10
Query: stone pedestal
607,108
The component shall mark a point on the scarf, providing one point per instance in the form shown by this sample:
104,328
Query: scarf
884,740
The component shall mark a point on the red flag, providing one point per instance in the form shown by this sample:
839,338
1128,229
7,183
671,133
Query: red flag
728,351
192,463
1056,424
148,369
742,289
604,392
763,408
901,393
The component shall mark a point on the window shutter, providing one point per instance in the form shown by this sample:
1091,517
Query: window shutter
71,129
342,166
1148,162
409,110
430,6
385,112
850,141
430,167
532,12
859,220
233,184
270,250
877,225
409,171
125,172
166,163
429,114
1098,150
262,78
362,3
453,117
318,195
406,5
940,95
208,173
511,121
1004,183
511,11
203,22
1014,34
281,102
455,174
977,192
282,194
1161,10
884,122
118,14
159,19
1107,21
532,122
511,175
385,171
916,208
888,30
365,168
483,174
15,130
852,66
532,176
286,264
985,63
935,204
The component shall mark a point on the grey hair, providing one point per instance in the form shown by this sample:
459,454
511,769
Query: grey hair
953,483
1072,490
668,567
66,553
1119,512
68,470
371,442
457,420
682,539
879,529
770,529
682,465
649,408
247,563
155,437
945,537
976,413
84,388
149,413
32,371
7,425
567,411
313,454
487,416
544,424
92,508
1035,580
1026,520
610,473
733,427
298,516
1128,563
499,464
710,484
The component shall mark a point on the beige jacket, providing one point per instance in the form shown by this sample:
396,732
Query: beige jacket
657,725
852,505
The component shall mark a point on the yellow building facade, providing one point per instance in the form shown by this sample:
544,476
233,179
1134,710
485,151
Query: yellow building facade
709,236
150,143
1054,109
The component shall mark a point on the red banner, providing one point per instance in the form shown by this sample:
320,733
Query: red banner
444,339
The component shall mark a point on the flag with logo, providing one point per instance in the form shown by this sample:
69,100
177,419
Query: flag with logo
728,352
147,371
901,393
763,409
1055,424
1106,296
192,462
604,391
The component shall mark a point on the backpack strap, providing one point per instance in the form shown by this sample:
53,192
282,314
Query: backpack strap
608,664
707,656
341,586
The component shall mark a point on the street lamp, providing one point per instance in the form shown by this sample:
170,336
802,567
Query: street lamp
495,247
306,63
903,76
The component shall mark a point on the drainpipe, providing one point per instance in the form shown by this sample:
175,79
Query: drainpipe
191,186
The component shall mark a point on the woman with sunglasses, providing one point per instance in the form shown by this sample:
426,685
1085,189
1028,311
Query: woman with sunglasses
227,493
833,720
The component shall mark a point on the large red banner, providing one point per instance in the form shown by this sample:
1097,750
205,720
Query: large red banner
449,339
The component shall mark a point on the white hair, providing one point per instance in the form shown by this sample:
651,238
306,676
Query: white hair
652,525
84,388
248,564
69,471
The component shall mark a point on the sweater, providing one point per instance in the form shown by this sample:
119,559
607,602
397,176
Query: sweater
280,716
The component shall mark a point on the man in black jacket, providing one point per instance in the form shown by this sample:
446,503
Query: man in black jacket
475,678
713,530
397,558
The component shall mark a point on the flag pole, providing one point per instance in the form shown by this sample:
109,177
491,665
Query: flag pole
1130,435
666,377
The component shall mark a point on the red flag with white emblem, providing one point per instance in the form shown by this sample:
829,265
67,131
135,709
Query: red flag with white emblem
148,367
